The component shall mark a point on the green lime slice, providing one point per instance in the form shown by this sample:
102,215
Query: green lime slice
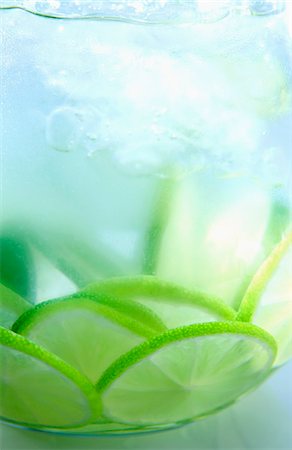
277,320
39,389
174,220
87,333
174,305
267,299
17,270
107,292
274,312
186,373
11,306
205,245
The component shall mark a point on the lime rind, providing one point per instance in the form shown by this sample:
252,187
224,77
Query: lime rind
186,373
103,293
160,290
103,305
19,343
277,320
84,332
17,269
179,334
11,306
258,284
159,220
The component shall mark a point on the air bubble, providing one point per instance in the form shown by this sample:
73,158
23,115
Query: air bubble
63,129
260,7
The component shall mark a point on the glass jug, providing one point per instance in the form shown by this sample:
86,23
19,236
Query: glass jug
145,212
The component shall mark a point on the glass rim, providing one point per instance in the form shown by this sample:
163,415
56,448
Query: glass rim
173,12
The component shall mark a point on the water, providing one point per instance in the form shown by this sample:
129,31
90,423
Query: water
135,149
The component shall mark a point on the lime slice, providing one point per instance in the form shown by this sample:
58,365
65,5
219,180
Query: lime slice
178,234
174,305
17,266
186,373
39,389
267,299
206,245
277,320
84,332
11,306
165,194
78,261
108,293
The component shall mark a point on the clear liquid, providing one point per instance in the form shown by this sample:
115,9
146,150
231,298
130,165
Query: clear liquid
131,149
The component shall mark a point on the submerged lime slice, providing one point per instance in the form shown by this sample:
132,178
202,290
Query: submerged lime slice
107,292
17,269
117,293
82,331
206,245
11,306
277,320
174,305
274,312
267,301
39,389
186,373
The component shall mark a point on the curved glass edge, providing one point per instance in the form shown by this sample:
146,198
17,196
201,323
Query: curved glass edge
147,11
119,430
110,430
87,432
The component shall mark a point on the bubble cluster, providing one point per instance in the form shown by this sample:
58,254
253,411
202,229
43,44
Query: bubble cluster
159,116
156,110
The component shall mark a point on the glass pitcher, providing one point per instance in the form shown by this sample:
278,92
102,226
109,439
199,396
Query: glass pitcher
145,212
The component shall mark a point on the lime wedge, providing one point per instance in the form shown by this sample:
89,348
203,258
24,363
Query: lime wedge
267,301
39,389
185,373
174,305
11,306
84,332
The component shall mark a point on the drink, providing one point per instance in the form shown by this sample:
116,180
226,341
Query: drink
146,189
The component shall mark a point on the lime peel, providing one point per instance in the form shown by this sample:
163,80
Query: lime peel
107,306
158,223
11,306
106,292
197,330
86,333
161,290
19,343
261,278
